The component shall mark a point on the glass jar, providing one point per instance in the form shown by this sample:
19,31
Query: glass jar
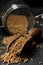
15,17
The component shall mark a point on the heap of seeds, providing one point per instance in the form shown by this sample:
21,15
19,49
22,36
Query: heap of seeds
17,24
11,56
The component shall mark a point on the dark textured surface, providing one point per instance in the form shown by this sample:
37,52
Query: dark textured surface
39,52
32,3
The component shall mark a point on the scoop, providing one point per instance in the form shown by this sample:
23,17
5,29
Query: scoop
34,34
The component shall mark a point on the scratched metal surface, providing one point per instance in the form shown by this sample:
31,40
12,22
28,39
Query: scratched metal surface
39,52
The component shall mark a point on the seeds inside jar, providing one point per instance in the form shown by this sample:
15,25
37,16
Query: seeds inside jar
17,24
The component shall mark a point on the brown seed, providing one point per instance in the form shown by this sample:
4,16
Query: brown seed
25,60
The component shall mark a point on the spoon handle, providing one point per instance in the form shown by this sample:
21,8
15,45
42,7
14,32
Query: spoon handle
35,32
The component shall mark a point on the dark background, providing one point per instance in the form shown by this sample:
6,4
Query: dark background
34,3
31,3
